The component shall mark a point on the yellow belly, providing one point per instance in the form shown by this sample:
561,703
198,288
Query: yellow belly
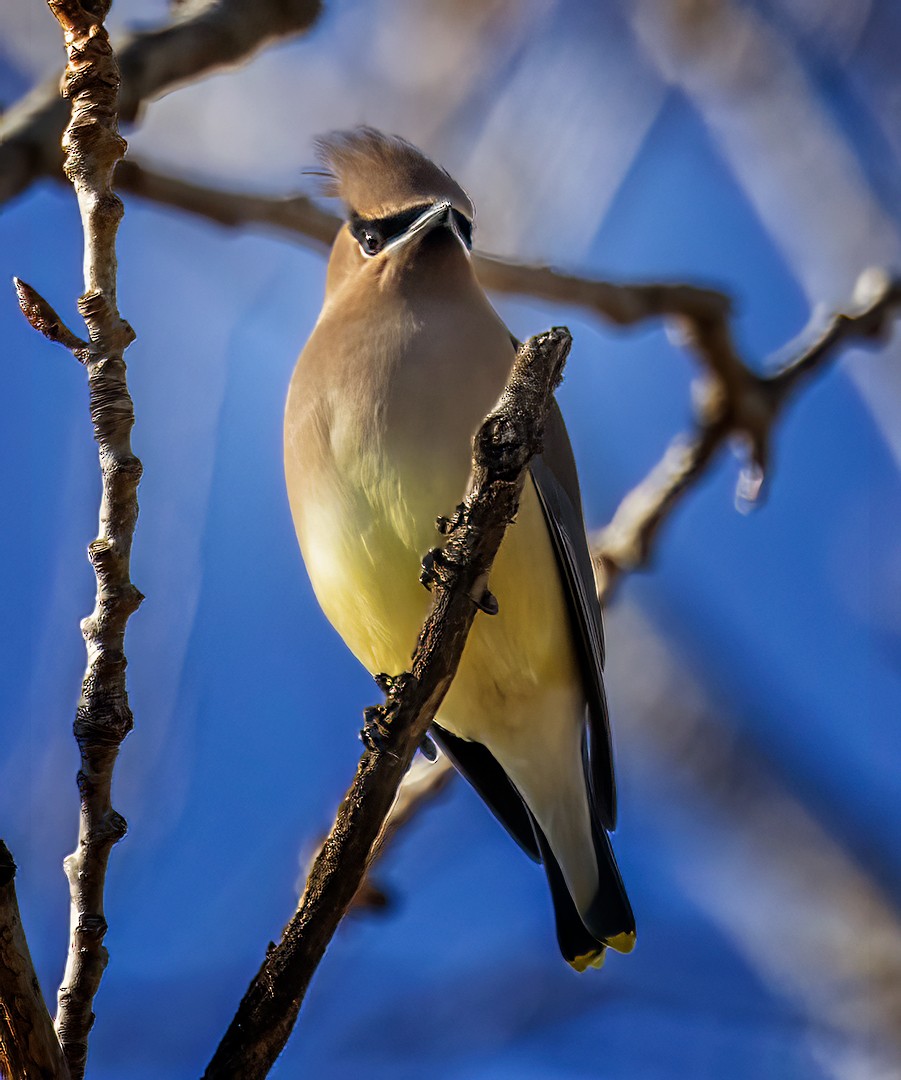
518,665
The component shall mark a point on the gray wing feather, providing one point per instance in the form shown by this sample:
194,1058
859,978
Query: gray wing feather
554,476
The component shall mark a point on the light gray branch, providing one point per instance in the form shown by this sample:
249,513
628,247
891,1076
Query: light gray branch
206,36
103,718
732,401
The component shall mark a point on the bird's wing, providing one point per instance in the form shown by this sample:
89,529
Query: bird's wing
557,484
481,769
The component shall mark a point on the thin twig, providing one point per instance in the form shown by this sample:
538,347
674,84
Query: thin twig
29,1047
206,36
103,718
733,401
502,449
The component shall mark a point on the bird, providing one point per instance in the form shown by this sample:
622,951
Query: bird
404,362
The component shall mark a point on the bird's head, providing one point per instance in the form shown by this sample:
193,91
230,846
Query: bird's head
395,197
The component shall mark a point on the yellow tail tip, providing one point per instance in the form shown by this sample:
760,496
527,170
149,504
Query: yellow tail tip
593,959
622,943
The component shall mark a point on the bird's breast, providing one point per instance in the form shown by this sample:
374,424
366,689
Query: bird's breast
380,416
379,425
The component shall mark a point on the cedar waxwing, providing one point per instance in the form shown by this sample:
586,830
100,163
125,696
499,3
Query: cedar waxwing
407,358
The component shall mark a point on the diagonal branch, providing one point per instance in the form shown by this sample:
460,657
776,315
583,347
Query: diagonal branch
28,1044
103,718
206,36
733,401
502,449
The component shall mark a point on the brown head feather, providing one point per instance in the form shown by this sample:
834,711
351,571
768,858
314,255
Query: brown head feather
377,175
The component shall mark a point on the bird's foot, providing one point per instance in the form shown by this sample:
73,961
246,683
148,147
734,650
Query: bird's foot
435,566
392,685
375,733
446,525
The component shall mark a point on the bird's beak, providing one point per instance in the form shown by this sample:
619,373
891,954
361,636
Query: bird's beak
438,214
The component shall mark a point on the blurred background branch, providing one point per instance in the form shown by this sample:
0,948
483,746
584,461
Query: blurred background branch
206,36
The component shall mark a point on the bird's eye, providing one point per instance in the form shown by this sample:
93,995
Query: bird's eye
367,235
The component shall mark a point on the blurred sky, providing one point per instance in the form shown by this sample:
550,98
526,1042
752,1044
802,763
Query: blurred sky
753,146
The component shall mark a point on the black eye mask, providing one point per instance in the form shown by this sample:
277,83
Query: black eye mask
372,234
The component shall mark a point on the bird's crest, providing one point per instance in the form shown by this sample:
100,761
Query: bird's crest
377,174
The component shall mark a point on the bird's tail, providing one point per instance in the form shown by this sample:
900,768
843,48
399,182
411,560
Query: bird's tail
584,936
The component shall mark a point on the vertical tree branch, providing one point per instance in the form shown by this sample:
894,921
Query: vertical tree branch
103,718
29,1047
457,573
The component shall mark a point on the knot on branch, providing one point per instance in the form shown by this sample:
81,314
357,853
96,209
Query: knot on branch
92,927
93,146
501,445
392,686
105,328
511,434
460,516
376,729
90,54
109,829
103,722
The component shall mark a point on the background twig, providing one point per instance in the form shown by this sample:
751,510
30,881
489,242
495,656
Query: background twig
208,35
731,401
502,449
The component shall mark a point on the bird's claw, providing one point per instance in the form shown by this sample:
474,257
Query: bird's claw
446,525
375,733
435,564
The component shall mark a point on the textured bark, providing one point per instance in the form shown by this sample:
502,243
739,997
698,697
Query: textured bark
29,1048
103,718
502,449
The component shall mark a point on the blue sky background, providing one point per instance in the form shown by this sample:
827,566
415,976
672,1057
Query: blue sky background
602,139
